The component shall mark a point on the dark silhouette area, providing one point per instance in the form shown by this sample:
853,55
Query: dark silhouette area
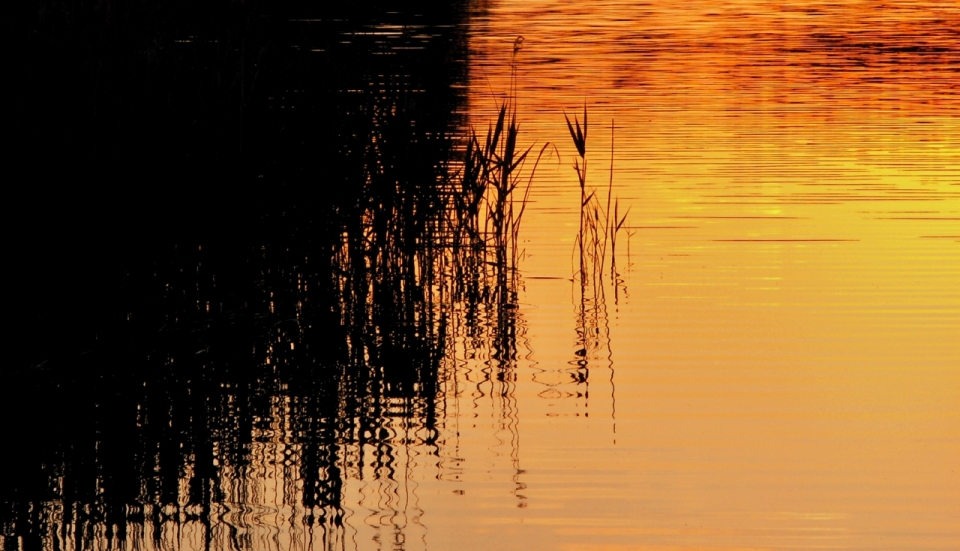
230,214
144,129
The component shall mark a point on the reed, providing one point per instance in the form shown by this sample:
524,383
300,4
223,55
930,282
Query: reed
488,195
600,222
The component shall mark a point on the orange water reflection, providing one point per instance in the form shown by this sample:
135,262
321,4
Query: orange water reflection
782,369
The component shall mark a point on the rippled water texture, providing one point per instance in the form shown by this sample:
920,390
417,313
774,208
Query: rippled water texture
783,352
775,363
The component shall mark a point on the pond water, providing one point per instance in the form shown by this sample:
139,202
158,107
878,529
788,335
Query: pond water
772,363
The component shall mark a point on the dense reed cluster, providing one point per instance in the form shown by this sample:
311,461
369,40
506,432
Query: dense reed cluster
484,221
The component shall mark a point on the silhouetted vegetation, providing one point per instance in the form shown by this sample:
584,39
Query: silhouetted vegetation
599,223
252,230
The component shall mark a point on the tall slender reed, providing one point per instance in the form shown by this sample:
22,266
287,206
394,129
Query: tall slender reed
599,222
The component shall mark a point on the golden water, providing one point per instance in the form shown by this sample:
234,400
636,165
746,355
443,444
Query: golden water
780,366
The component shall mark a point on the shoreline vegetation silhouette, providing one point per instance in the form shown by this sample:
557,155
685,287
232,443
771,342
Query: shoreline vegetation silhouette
258,238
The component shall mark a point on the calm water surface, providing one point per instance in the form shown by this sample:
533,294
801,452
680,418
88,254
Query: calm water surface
775,365
779,368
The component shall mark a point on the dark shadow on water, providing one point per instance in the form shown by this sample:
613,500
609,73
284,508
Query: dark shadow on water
233,265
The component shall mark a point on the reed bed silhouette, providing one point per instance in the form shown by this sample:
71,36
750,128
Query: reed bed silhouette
334,323
317,328
313,318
